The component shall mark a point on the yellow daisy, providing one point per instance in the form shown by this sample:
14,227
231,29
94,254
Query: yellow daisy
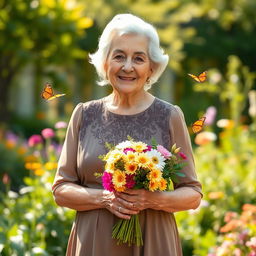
130,156
130,168
162,184
155,175
151,165
142,159
115,155
110,167
119,189
152,186
119,178
139,146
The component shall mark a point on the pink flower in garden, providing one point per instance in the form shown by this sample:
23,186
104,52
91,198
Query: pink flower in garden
252,243
61,125
48,133
182,155
34,140
130,182
107,181
166,154
210,115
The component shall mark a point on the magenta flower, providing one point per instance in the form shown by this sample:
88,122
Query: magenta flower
182,155
148,148
34,140
48,133
166,154
107,181
130,182
128,149
61,125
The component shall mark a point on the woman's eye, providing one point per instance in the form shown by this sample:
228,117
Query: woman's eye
139,59
118,57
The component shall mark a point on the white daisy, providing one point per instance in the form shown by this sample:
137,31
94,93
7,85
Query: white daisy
156,158
124,144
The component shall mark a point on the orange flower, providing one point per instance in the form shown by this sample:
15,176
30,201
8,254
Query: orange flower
155,175
249,207
39,172
204,138
130,168
119,179
233,224
162,184
153,185
216,195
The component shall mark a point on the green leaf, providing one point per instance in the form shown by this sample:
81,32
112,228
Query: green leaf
180,174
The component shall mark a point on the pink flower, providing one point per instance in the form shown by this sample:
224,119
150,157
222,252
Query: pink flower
61,125
166,154
148,148
128,149
130,182
210,115
107,181
34,140
182,155
252,243
47,133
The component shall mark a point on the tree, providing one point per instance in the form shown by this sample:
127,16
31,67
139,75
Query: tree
42,33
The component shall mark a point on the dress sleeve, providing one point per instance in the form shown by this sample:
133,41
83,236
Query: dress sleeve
67,164
180,136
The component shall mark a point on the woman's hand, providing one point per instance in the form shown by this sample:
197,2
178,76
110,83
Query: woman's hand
111,202
138,199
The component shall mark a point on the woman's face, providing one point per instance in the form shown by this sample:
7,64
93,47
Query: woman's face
128,65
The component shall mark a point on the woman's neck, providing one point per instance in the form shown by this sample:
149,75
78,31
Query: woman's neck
128,104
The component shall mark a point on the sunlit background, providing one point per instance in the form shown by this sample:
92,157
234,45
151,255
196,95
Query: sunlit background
49,41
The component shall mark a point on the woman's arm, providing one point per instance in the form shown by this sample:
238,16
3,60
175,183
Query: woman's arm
181,199
80,198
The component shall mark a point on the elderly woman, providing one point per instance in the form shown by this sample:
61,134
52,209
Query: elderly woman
129,59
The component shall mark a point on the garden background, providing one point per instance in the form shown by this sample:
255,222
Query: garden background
49,41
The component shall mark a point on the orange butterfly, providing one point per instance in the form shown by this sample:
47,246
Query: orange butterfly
197,126
201,78
48,93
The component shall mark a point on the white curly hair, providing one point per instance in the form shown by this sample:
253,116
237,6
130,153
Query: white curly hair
123,24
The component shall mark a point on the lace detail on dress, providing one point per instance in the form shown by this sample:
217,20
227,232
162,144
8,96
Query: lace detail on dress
114,128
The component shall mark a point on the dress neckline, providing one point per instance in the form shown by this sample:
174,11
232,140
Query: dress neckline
132,115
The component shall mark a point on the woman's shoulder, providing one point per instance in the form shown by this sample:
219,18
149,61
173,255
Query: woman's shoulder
167,105
173,111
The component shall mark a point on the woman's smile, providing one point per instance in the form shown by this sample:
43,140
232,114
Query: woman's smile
128,65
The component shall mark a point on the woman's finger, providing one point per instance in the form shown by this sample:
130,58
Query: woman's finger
131,206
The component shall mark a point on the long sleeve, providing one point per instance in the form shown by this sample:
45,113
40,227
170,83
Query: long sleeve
67,164
180,136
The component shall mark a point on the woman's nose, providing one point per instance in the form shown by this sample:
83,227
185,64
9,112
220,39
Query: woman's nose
128,66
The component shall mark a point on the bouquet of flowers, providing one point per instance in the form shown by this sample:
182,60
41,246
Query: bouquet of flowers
136,165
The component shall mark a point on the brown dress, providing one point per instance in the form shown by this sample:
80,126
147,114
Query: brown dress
90,126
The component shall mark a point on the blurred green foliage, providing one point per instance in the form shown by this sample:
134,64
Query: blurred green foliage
55,38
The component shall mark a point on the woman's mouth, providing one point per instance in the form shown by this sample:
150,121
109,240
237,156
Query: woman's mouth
126,78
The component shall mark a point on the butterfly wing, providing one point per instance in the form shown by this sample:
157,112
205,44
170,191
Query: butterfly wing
197,126
47,93
196,78
56,96
201,78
